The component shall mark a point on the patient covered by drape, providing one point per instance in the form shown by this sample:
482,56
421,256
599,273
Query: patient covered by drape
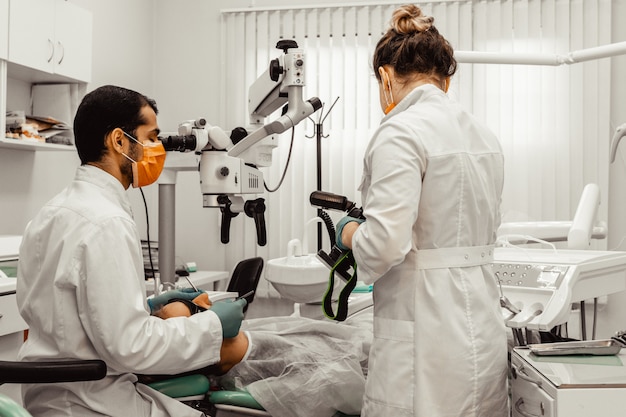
303,367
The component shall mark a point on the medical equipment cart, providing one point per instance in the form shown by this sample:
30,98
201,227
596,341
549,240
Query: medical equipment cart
568,385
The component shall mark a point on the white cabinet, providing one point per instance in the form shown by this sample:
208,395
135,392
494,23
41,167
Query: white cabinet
31,34
45,41
52,36
4,29
73,34
567,386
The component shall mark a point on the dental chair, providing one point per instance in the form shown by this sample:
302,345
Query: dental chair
190,389
193,390
245,278
44,372
9,408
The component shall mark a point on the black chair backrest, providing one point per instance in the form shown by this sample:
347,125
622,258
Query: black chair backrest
246,277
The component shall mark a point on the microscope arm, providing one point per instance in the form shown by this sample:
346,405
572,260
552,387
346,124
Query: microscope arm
298,110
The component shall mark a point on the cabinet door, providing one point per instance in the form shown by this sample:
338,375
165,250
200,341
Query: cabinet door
31,33
4,29
73,41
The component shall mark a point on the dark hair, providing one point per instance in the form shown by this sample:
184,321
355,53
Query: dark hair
412,45
103,110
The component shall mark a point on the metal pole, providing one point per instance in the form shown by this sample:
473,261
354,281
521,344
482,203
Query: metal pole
167,237
318,130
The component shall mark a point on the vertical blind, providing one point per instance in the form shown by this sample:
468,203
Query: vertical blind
553,122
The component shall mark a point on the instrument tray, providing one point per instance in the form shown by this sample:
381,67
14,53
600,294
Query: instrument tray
586,347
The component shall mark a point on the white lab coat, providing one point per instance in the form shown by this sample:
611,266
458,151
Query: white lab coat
81,290
431,193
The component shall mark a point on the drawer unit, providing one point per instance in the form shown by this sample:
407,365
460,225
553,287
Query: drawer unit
566,386
531,393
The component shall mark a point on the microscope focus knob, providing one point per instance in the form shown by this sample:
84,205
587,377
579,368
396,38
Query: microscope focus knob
286,44
224,171
275,70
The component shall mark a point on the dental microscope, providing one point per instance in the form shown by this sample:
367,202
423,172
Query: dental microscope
229,163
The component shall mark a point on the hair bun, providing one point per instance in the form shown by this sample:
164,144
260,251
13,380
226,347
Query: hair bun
409,19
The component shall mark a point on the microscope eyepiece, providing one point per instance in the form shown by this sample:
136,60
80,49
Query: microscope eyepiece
180,143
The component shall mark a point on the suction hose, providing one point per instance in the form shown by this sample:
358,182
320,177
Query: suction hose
330,227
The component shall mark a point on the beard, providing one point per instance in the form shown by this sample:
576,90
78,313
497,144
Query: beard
127,167
127,171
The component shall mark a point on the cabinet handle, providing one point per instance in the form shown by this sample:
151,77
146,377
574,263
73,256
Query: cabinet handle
1,315
518,407
520,372
51,49
62,52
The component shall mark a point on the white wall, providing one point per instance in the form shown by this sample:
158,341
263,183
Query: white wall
187,86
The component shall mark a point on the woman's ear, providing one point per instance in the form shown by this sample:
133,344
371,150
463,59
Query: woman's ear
385,80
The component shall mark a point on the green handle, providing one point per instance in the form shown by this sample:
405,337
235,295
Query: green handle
9,408
236,398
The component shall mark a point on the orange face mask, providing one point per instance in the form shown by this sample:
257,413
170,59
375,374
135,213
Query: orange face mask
389,107
147,171
389,101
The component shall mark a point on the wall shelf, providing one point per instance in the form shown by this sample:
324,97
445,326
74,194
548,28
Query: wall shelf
28,145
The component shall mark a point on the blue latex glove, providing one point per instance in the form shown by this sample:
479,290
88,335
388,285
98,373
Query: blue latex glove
157,302
339,229
230,313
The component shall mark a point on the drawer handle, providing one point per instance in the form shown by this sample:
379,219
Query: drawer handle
51,49
520,372
62,52
520,403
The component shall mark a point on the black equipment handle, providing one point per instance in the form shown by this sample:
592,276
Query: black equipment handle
256,210
328,200
51,371
227,214
337,260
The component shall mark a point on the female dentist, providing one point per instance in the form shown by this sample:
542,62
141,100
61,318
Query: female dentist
431,191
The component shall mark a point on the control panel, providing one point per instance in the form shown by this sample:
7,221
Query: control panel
543,283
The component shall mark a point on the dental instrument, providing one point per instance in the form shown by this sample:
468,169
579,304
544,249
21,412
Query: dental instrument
248,294
190,283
